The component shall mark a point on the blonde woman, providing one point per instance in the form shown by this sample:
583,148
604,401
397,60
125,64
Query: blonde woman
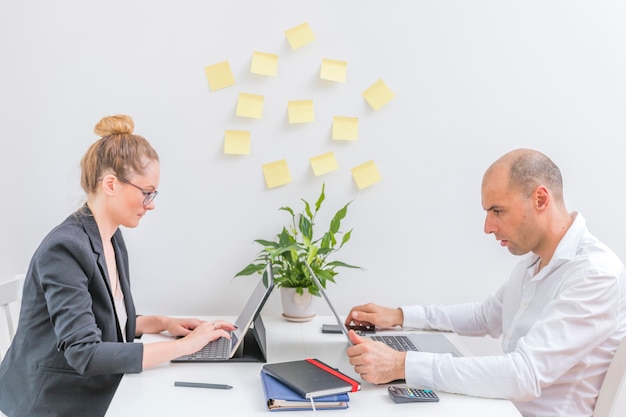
78,319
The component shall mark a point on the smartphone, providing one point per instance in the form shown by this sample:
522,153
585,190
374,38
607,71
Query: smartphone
411,395
334,328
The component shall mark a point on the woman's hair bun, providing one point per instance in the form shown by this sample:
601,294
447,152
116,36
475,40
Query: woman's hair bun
114,125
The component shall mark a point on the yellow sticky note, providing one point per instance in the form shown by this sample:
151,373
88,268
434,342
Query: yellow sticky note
300,111
276,173
237,142
219,75
365,174
250,105
299,36
323,164
345,128
378,94
333,70
264,64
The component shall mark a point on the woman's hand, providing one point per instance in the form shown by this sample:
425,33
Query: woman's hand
205,332
184,326
196,334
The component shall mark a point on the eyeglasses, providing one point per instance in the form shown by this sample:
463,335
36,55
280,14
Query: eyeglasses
148,195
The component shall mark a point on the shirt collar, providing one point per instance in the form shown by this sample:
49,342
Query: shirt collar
567,247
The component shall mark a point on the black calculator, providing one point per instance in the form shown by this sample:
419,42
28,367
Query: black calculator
410,395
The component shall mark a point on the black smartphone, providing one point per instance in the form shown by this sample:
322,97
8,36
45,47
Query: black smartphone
334,328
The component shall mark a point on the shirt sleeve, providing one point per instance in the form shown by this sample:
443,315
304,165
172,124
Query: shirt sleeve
570,326
470,319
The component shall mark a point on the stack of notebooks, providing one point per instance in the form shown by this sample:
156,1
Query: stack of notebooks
294,385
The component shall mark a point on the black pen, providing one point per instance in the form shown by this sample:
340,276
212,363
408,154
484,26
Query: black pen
201,385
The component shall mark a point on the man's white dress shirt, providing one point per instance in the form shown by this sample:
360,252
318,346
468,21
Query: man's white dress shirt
559,327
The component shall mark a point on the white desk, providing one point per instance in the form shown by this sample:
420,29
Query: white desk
152,393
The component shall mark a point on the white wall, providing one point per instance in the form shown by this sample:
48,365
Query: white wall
472,81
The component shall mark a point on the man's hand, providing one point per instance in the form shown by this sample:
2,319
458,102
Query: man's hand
373,314
374,361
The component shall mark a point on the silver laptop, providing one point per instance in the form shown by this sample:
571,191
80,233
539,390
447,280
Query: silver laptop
424,342
224,349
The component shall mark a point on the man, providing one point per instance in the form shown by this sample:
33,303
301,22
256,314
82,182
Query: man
561,314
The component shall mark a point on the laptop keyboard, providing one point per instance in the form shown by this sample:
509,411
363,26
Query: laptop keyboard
217,349
398,342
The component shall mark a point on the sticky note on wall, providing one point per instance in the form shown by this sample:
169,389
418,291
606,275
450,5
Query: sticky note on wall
219,75
366,174
378,94
323,164
333,70
345,128
264,64
250,105
276,173
237,142
300,111
299,36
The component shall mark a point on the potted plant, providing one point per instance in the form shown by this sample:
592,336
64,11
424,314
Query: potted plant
295,245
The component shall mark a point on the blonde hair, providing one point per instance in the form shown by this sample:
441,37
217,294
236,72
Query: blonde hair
118,151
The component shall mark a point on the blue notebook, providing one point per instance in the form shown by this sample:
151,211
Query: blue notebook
279,397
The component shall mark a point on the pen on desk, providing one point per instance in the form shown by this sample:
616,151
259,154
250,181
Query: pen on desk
201,385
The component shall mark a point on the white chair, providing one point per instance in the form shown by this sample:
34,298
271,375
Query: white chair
610,403
10,293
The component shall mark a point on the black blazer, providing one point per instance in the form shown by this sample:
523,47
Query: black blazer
68,355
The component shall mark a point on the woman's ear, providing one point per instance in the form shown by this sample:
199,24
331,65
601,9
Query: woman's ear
108,184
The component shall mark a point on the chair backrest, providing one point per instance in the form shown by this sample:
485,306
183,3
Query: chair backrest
10,293
610,403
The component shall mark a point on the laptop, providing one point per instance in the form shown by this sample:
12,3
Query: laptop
424,342
247,341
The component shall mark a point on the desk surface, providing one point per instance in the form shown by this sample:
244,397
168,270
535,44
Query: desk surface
152,392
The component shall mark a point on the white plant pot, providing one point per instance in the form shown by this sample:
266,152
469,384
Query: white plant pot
297,307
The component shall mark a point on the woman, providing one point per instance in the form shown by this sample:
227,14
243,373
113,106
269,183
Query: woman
72,344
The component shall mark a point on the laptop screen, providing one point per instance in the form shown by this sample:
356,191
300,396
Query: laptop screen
322,290
253,307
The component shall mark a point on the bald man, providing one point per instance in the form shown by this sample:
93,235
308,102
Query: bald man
561,314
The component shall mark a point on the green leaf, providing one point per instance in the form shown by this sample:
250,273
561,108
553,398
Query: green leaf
343,264
324,251
250,269
313,290
285,239
284,251
266,243
346,237
307,208
320,199
326,240
288,209
335,223
325,274
313,251
306,228
265,278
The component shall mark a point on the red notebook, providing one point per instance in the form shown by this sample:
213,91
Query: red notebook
312,378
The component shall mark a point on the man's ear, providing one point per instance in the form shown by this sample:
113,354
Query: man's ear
541,197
